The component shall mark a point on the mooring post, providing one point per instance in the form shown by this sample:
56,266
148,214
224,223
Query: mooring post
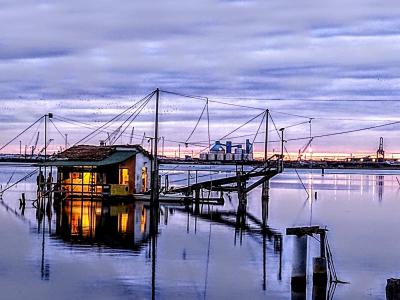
22,202
322,236
299,267
393,289
197,201
265,201
319,292
320,274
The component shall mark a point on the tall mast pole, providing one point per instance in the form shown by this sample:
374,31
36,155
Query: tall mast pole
282,147
50,116
155,180
266,135
45,144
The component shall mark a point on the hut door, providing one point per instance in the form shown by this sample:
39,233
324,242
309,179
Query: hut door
144,180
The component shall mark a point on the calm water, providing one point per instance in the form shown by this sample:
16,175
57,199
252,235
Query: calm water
94,250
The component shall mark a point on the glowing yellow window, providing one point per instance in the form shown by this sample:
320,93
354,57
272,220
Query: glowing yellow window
123,176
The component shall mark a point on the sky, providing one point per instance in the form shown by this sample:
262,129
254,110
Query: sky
89,60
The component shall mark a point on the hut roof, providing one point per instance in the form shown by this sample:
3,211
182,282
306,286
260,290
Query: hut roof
86,152
89,155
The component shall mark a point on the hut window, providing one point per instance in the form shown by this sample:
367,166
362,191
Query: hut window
76,175
123,176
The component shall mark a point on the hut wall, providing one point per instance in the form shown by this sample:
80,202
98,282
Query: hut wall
142,161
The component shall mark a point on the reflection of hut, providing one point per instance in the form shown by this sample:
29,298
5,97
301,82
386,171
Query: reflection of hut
103,170
88,222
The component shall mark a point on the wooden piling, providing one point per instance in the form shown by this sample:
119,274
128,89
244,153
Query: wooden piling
320,275
197,201
299,266
393,289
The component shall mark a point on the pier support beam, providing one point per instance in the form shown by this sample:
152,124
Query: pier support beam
320,270
299,267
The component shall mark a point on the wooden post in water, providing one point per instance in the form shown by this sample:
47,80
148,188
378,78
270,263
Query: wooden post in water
299,267
188,180
166,180
197,201
393,289
320,275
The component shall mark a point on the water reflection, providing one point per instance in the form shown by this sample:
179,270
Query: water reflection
235,237
380,181
92,222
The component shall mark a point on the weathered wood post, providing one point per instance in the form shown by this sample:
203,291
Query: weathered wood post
299,266
166,182
393,289
319,292
320,274
299,263
23,200
265,201
197,201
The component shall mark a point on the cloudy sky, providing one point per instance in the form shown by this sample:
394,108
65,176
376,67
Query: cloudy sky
88,60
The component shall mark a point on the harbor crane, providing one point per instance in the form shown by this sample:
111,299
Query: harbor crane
302,150
35,144
44,148
380,153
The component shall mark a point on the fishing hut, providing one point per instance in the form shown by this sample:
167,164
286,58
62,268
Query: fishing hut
118,170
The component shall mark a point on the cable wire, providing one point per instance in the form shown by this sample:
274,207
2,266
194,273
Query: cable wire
113,119
21,133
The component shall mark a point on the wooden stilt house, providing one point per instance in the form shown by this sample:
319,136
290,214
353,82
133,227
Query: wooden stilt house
87,170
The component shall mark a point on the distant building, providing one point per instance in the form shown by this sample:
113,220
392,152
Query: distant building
220,151
103,170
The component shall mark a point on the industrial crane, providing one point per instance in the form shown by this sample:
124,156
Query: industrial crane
44,148
302,150
380,153
35,144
